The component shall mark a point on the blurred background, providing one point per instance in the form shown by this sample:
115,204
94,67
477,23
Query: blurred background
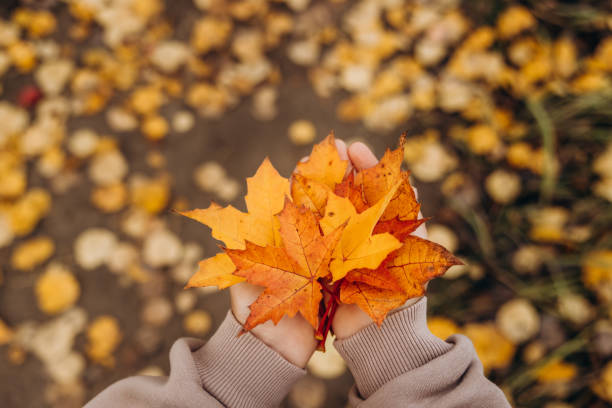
114,112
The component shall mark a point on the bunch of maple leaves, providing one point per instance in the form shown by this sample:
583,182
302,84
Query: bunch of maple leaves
323,230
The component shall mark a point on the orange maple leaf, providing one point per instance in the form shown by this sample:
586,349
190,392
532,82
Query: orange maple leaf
376,182
380,278
309,193
409,268
376,302
404,199
417,262
398,228
289,273
404,205
379,179
316,177
353,192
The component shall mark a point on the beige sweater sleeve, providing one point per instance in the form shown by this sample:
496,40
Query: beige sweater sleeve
227,371
398,365
403,364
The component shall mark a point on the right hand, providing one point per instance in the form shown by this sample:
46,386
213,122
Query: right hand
349,319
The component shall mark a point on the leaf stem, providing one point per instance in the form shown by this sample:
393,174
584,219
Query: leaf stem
331,293
328,316
319,333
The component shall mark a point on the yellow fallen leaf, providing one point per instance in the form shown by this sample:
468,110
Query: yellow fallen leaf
155,127
556,371
13,183
29,210
16,354
146,100
23,56
151,195
493,349
32,253
210,33
6,334
197,322
442,327
103,337
597,270
43,23
56,290
110,198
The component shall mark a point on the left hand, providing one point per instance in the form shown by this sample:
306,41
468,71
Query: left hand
293,337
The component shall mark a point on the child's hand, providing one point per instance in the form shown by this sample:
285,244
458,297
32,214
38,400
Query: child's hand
292,337
350,318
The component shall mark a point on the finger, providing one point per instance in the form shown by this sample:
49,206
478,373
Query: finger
343,153
342,150
361,156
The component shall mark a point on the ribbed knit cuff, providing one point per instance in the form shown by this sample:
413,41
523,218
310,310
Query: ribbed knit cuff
376,355
243,371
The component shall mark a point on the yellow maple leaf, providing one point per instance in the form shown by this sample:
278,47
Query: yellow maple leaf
265,198
324,164
215,271
358,248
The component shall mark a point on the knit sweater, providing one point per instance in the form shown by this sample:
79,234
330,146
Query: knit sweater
400,364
